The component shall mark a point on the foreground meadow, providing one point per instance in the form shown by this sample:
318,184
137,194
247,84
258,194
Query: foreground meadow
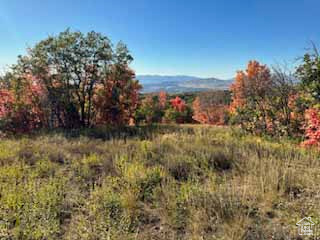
159,182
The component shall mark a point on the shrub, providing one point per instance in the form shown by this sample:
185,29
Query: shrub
221,161
147,185
312,128
180,169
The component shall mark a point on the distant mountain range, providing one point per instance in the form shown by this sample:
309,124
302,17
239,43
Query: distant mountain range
178,84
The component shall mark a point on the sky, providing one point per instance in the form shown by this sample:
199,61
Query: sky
205,38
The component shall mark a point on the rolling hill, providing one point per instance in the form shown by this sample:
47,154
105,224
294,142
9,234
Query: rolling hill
178,84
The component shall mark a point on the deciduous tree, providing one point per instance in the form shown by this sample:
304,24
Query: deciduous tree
309,73
249,94
211,107
162,99
73,80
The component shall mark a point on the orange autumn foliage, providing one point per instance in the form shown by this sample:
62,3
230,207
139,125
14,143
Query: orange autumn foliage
116,98
237,88
251,83
162,99
209,114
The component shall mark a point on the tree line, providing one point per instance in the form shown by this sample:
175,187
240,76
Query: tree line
75,80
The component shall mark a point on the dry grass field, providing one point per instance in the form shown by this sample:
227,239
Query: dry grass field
159,182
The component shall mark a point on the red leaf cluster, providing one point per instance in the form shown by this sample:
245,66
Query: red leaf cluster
6,102
23,105
178,104
312,129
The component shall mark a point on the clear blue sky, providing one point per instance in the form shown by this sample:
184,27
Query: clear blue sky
191,37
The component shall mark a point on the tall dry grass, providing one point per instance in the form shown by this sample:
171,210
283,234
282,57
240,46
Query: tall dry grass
158,182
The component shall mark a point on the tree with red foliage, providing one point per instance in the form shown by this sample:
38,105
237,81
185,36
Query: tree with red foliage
198,114
312,128
6,103
116,98
251,86
249,94
23,104
177,112
238,92
178,104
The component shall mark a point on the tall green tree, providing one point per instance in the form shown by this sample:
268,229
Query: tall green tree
309,73
83,77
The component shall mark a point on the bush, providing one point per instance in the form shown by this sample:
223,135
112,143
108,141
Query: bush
149,183
181,170
221,161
